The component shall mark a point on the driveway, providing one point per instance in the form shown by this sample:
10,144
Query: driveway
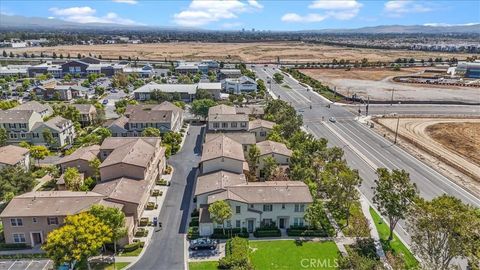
36,264
167,247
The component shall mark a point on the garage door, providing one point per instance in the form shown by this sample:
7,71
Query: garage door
206,229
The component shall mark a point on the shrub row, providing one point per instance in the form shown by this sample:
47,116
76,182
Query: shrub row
306,232
236,255
267,233
131,247
193,222
229,233
193,233
13,246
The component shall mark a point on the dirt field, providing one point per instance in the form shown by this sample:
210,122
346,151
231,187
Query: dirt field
462,138
454,141
377,84
267,51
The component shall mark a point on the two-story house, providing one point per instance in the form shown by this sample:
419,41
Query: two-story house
19,124
225,118
12,155
44,110
62,130
80,159
88,114
223,153
260,128
276,150
240,85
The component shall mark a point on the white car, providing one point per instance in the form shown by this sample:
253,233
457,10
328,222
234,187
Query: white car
332,119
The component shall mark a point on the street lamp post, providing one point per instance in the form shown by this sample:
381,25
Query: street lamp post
396,129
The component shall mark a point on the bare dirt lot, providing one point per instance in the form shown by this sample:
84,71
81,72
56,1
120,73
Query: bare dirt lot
250,52
452,141
377,84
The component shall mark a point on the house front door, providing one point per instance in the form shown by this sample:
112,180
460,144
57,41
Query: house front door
36,238
281,223
250,224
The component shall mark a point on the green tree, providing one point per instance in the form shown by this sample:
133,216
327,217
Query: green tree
393,195
253,160
102,134
95,165
79,238
203,94
314,214
48,137
443,229
269,166
15,180
200,107
39,152
151,132
278,77
220,211
114,218
73,179
68,77
3,137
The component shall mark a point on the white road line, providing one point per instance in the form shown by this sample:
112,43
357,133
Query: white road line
12,265
29,265
434,173
45,266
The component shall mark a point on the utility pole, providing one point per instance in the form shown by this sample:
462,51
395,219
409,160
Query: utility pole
368,104
391,101
396,130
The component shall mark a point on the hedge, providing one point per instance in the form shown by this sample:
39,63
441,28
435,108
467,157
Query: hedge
13,246
229,233
194,222
193,233
267,233
131,247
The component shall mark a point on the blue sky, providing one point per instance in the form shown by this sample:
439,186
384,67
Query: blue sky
248,14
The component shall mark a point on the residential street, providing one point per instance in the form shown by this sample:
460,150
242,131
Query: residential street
166,249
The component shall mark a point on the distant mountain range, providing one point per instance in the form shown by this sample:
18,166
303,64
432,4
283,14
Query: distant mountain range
21,22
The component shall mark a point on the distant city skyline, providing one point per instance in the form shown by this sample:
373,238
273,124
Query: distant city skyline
252,14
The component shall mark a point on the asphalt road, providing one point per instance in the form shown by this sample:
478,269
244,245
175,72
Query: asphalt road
167,247
364,149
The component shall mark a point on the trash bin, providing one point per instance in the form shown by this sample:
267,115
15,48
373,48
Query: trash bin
155,221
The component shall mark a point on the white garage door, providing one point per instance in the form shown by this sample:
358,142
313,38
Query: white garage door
206,229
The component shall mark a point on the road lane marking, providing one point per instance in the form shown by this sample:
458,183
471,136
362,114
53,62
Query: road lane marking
12,265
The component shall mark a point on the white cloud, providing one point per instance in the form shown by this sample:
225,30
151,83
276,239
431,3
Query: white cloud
339,10
309,18
130,2
203,12
398,8
87,15
448,24
255,4
51,18
232,25
73,11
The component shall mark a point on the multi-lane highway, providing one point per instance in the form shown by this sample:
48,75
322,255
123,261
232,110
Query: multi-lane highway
364,149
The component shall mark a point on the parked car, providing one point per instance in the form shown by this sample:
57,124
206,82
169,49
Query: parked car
203,243
105,102
332,119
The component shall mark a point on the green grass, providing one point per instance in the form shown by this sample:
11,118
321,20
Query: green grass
134,253
286,254
210,265
358,224
396,245
109,266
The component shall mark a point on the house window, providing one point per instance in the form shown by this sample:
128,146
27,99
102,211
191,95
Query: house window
34,220
224,125
237,223
251,206
288,159
263,133
216,125
283,206
234,124
52,221
22,135
243,124
298,222
229,223
19,238
267,222
267,208
23,125
35,135
16,222
299,208
237,209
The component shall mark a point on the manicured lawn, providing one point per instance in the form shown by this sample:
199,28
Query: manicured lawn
396,244
287,254
358,224
105,266
136,252
211,265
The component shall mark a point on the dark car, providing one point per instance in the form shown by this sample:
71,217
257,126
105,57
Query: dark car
203,243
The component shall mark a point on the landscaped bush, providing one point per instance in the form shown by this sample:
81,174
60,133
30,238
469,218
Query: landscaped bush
131,247
157,192
306,232
193,233
141,232
194,222
144,221
151,206
236,255
13,246
229,233
167,170
195,213
267,233
163,182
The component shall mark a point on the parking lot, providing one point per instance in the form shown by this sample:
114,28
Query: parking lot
26,265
